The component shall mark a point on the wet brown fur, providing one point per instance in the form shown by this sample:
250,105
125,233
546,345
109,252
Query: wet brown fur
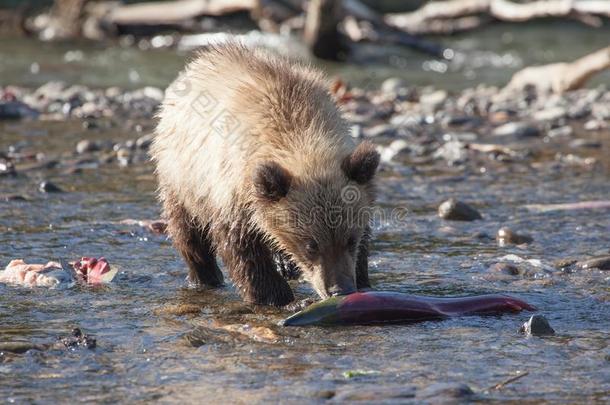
297,156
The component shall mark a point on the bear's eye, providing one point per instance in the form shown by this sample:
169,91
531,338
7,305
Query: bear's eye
312,248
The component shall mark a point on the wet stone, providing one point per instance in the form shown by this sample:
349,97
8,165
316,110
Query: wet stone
86,146
516,129
461,120
7,168
564,263
49,187
12,197
393,85
394,149
435,99
507,236
90,124
550,114
124,156
601,263
560,132
78,339
18,347
455,210
594,125
505,268
381,130
375,394
585,143
537,325
144,141
454,152
14,110
440,392
323,394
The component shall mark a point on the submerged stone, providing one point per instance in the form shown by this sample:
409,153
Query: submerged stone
443,391
537,325
507,236
505,268
516,129
49,187
455,210
601,263
86,146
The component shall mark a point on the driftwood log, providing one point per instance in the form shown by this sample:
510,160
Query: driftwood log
560,77
459,15
175,12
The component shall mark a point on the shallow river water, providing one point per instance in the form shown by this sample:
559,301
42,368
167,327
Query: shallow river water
147,351
144,351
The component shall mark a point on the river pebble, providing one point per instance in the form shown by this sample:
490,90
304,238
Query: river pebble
505,268
49,187
517,130
537,325
601,263
455,210
86,146
445,392
507,236
375,394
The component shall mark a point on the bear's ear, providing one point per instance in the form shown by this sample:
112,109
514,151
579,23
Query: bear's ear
361,165
272,181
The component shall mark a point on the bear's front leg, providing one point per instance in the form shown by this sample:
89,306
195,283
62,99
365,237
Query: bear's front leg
362,261
253,270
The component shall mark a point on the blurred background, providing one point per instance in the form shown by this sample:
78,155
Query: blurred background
134,43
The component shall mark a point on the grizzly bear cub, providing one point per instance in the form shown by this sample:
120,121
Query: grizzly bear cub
255,162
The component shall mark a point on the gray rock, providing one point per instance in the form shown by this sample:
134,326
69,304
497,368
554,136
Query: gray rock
560,132
12,197
86,146
455,210
454,152
585,143
443,392
434,100
393,85
409,121
601,263
12,110
562,264
594,125
537,325
49,187
550,114
124,156
375,394
7,168
394,149
506,236
516,129
379,130
144,141
505,268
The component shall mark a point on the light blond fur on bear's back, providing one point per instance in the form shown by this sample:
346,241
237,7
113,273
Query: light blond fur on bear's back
234,108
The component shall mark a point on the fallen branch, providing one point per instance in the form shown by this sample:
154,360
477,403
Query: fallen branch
175,12
581,205
510,380
560,77
441,12
383,32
